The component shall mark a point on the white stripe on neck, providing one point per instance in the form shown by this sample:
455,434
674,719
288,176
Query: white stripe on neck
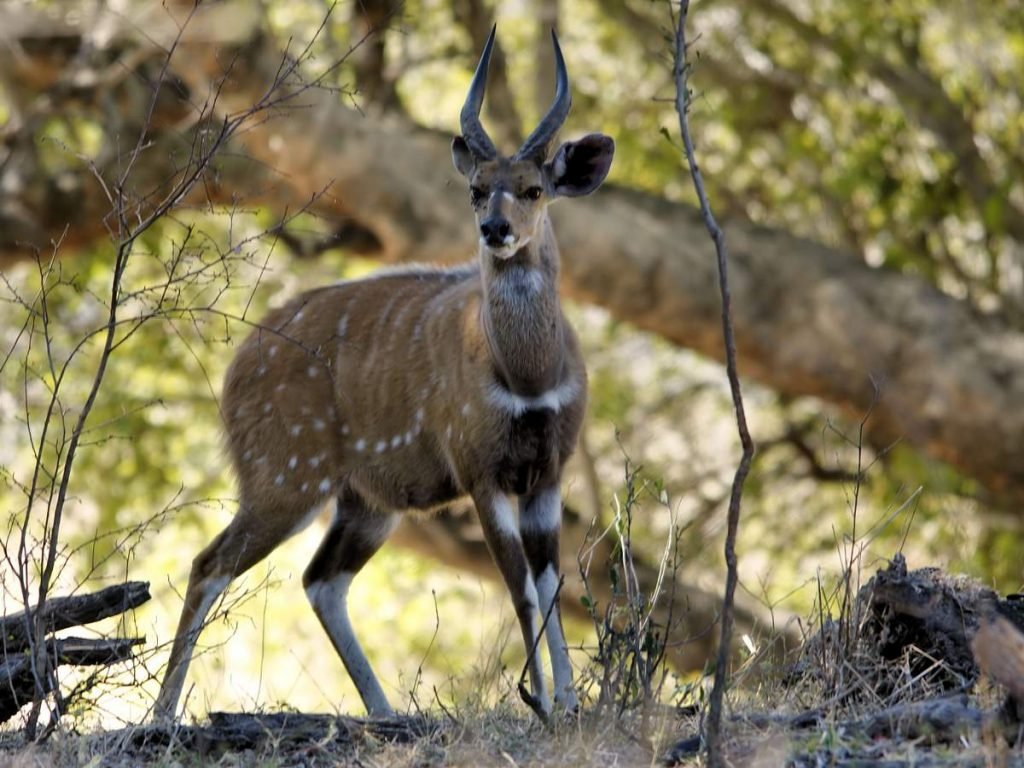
554,399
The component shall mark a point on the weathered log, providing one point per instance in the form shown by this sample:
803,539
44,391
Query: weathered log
17,675
236,731
64,612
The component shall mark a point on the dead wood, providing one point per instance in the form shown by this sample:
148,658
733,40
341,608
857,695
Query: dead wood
64,612
17,674
236,731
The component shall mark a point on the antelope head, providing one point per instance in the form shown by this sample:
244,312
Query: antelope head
510,195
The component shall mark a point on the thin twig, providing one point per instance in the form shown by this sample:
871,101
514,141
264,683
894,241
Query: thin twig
714,720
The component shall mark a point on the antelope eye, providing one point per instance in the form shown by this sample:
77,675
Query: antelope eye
532,193
476,195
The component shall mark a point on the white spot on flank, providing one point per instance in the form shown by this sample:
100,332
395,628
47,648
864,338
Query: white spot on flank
553,399
311,371
273,350
396,441
296,430
261,460
293,462
424,392
314,462
247,456
240,411
448,432
267,407
360,445
380,446
466,409
279,387
345,429
342,326
305,409
298,315
408,438
279,480
325,485
419,414
305,487
261,370
318,425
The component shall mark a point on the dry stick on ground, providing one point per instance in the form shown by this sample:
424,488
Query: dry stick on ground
680,74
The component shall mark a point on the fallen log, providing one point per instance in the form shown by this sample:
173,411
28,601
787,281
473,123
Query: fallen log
26,673
74,611
281,731
17,673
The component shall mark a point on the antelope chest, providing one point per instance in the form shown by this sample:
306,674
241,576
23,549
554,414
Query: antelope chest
529,456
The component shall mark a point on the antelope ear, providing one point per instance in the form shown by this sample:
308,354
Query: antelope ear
579,167
463,157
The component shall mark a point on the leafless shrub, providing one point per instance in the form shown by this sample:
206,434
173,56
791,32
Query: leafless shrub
627,672
58,369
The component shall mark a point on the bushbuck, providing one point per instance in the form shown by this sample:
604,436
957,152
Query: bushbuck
410,389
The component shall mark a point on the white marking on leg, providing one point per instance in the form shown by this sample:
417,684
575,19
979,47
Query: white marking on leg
329,599
540,690
504,517
561,668
170,692
212,589
543,513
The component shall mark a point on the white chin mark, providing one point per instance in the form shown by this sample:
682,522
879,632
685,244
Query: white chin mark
506,251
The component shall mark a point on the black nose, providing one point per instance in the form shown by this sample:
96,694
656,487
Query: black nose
494,230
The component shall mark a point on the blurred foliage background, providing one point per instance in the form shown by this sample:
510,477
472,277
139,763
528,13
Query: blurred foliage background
892,131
